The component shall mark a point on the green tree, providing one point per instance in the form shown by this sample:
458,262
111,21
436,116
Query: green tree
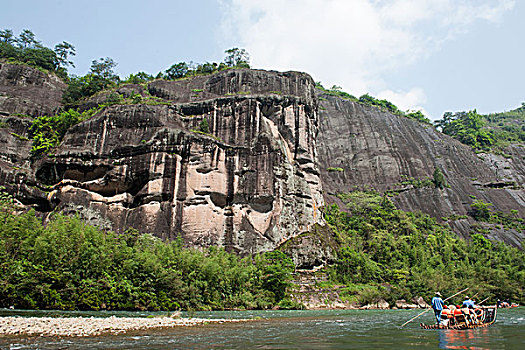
438,178
177,71
6,36
481,210
27,39
467,127
28,50
63,51
419,116
139,78
275,270
206,68
40,57
236,57
103,70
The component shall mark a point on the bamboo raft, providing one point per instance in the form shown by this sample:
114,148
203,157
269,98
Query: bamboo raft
456,319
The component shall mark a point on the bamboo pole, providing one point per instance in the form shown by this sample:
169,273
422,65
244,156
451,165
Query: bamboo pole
424,312
484,300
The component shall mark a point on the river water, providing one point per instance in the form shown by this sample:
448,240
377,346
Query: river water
312,329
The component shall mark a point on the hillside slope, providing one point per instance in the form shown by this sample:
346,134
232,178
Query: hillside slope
363,147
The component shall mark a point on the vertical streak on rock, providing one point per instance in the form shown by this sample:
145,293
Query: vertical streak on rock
181,187
101,149
214,124
174,231
257,121
297,129
168,184
248,120
228,212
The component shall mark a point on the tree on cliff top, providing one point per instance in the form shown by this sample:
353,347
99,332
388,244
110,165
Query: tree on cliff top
237,58
63,51
26,49
177,70
103,69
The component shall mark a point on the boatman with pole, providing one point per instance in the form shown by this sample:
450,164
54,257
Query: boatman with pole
437,305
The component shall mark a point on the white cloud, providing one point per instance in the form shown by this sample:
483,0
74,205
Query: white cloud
413,100
352,43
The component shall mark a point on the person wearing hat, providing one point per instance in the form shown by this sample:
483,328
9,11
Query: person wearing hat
468,303
437,306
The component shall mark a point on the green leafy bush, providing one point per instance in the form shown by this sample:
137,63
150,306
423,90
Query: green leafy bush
47,131
468,128
411,255
481,210
439,179
204,126
70,265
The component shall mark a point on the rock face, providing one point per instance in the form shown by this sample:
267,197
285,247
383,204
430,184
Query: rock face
25,90
249,183
238,159
377,150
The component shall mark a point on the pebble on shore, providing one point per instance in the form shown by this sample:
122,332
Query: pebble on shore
92,326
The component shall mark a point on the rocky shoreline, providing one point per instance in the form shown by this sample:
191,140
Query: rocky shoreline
93,326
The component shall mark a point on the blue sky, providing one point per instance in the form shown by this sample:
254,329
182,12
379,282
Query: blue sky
434,55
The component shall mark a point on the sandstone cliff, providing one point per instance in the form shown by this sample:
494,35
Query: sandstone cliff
26,90
255,177
374,149
249,184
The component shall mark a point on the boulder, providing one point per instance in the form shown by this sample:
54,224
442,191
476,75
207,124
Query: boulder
419,301
382,304
402,304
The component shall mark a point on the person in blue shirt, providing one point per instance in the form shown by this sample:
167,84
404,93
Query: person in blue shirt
437,305
468,303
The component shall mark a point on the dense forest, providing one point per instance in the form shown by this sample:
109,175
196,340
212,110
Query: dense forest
391,254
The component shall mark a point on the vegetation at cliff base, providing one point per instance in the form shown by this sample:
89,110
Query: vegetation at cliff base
396,255
69,265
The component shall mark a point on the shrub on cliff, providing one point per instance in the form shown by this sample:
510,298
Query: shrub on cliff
439,179
48,131
480,210
468,128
